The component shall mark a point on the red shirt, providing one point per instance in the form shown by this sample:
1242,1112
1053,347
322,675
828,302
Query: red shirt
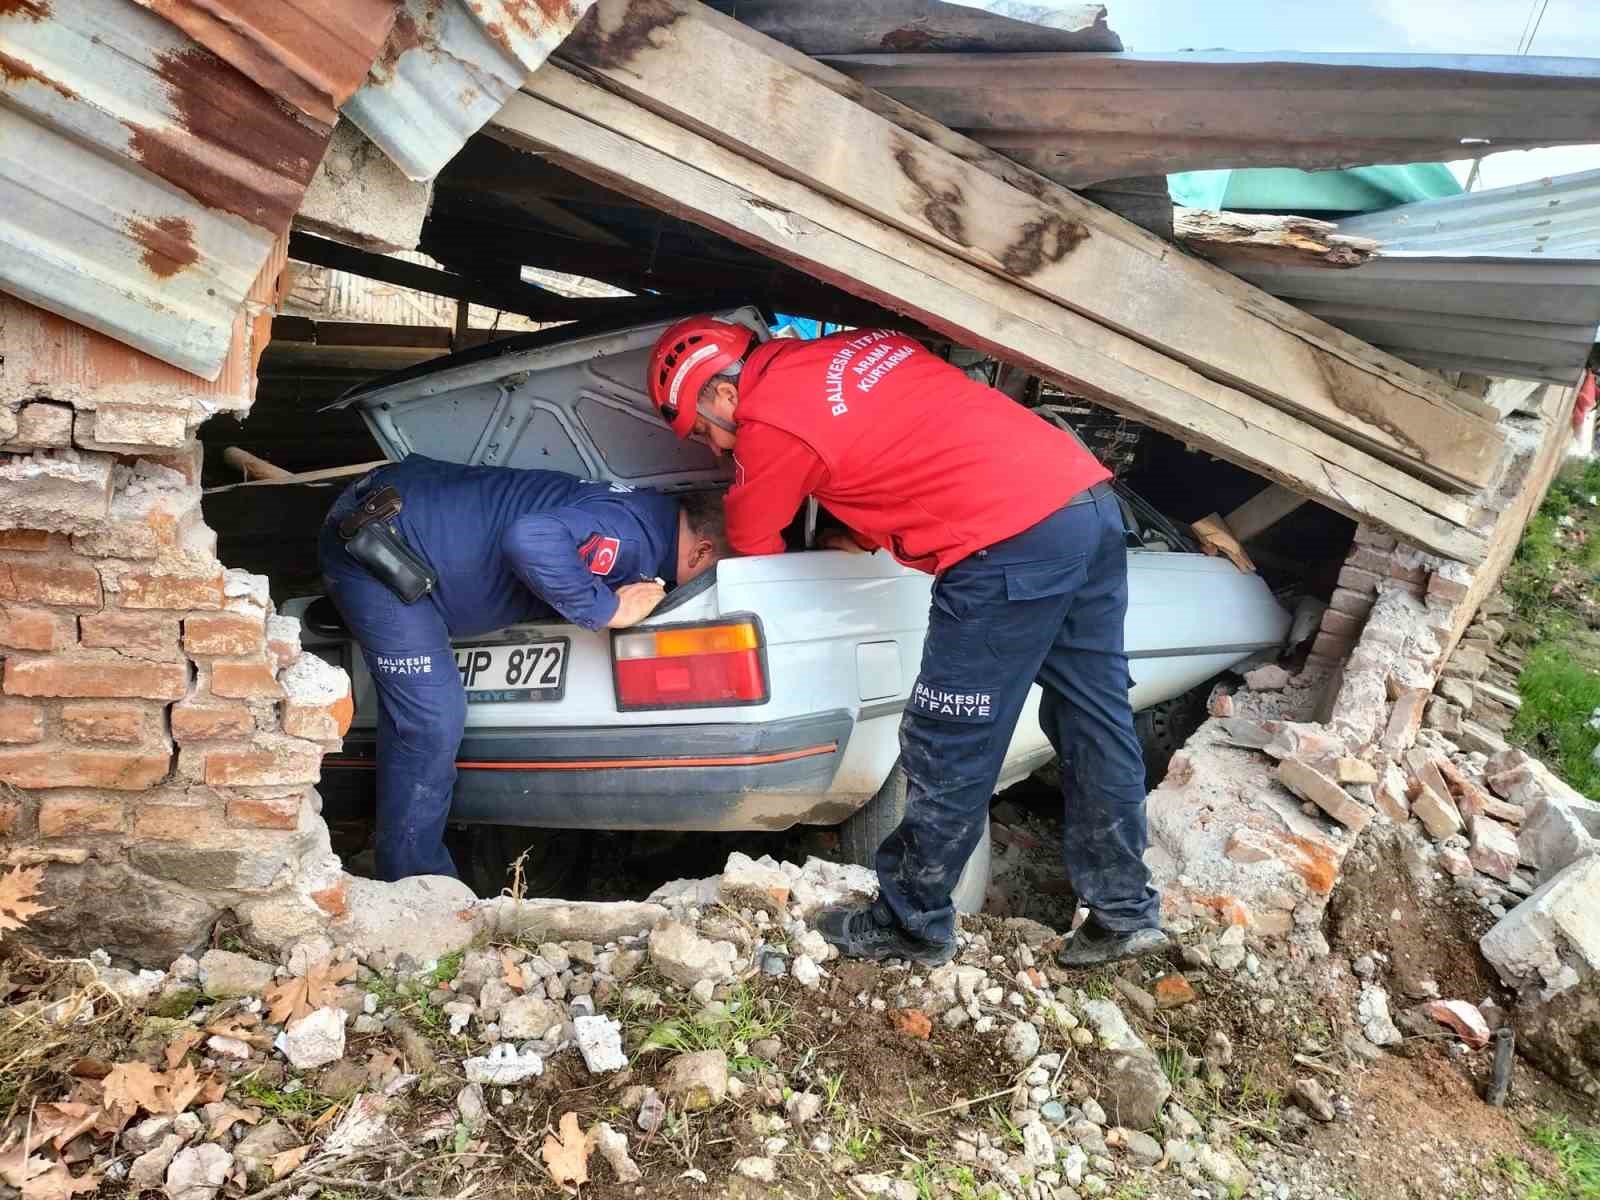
898,444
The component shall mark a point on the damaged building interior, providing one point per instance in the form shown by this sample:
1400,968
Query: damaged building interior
1331,397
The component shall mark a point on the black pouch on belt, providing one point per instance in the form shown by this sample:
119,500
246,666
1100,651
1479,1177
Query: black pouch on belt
371,539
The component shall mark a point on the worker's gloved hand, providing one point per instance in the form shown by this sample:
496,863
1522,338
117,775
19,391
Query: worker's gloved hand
837,539
635,602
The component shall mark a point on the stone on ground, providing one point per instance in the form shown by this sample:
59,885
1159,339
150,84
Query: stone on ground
257,1148
686,958
1494,848
1268,678
423,918
1133,1090
762,1170
149,1170
600,1042
1022,1042
529,1018
504,1066
1462,1017
1310,1096
198,1173
697,1081
613,1147
749,884
570,921
472,1108
315,1040
225,975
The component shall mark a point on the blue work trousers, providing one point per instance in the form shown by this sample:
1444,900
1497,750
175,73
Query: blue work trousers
422,707
1047,605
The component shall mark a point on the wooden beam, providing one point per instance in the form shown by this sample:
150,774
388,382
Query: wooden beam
657,52
527,301
1264,237
1263,510
692,177
253,466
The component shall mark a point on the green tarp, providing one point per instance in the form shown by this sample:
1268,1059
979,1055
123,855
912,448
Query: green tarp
1313,193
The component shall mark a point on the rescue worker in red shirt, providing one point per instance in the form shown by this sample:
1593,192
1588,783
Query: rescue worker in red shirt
1022,531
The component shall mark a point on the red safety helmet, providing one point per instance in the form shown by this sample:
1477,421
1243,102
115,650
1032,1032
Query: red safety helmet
686,358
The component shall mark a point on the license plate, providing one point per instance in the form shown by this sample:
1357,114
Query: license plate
511,671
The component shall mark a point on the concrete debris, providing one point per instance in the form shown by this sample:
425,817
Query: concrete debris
1494,849
600,1042
315,1040
1545,940
563,920
686,958
1310,1096
420,919
746,883
1555,834
1268,678
1372,1012
613,1148
225,975
504,1066
762,1170
364,1124
1310,784
530,1017
198,1172
149,1169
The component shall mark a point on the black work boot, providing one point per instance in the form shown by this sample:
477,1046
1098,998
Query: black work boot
858,931
1093,945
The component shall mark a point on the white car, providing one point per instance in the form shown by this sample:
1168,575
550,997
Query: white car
765,695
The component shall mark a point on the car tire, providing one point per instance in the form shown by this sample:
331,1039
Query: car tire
555,859
1164,728
862,834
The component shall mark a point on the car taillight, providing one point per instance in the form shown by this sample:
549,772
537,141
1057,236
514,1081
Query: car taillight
690,666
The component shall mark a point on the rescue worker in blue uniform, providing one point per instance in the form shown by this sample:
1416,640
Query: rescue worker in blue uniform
503,546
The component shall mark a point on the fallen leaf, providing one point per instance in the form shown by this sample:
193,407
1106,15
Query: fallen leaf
304,994
181,1089
90,1067
912,1021
224,1120
283,1163
58,1183
132,1086
383,1066
181,1045
511,972
16,888
567,1157
212,1089
327,1117
60,1123
17,1166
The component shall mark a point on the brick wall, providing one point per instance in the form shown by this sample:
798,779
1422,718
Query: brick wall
161,733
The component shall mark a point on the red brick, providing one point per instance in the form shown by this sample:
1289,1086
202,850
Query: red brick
264,765
123,723
265,812
229,633
96,678
20,722
1357,604
1358,580
1342,625
319,722
1366,535
43,426
245,681
136,425
1366,558
175,822
56,768
23,628
1330,645
24,539
186,462
1416,576
63,815
1447,589
139,635
10,811
196,720
1405,719
333,900
50,581
159,589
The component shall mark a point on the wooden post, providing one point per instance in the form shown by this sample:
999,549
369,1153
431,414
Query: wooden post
1262,511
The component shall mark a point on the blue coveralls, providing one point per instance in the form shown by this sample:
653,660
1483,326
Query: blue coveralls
1045,605
508,546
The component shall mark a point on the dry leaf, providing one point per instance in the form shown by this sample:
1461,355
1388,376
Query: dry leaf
511,972
304,994
383,1066
567,1157
59,1184
182,1087
16,888
181,1045
224,1120
90,1067
212,1089
60,1123
132,1086
283,1163
327,1117
17,1166
912,1021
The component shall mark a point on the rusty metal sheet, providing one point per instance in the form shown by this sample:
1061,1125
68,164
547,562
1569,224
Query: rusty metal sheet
308,53
1084,118
143,180
448,66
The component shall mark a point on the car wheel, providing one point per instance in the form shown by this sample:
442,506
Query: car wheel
555,859
1164,728
862,834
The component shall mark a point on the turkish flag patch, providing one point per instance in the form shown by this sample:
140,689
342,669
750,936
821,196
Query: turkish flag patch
600,553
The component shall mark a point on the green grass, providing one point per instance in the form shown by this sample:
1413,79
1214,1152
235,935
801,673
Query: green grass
1555,568
742,1022
1577,1175
306,1102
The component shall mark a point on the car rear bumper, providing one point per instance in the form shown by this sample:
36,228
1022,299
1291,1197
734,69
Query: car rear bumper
768,775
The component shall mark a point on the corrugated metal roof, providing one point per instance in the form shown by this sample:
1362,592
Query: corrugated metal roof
1555,217
1502,282
854,27
449,66
143,180
308,53
1086,117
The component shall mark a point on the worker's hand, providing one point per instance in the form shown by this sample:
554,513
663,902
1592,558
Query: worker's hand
838,539
635,602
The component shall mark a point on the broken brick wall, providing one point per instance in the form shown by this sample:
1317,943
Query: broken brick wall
160,731
1239,837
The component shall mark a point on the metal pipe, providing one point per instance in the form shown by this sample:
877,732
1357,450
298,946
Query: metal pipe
1505,1046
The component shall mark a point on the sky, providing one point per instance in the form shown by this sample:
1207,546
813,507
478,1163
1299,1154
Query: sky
1384,26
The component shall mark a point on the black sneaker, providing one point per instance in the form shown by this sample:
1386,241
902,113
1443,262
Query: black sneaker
857,932
1093,945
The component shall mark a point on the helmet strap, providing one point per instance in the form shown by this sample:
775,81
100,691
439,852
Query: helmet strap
713,419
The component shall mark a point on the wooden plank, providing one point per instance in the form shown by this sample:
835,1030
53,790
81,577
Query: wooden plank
851,27
780,194
323,475
969,305
253,466
656,52
1262,511
1266,237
